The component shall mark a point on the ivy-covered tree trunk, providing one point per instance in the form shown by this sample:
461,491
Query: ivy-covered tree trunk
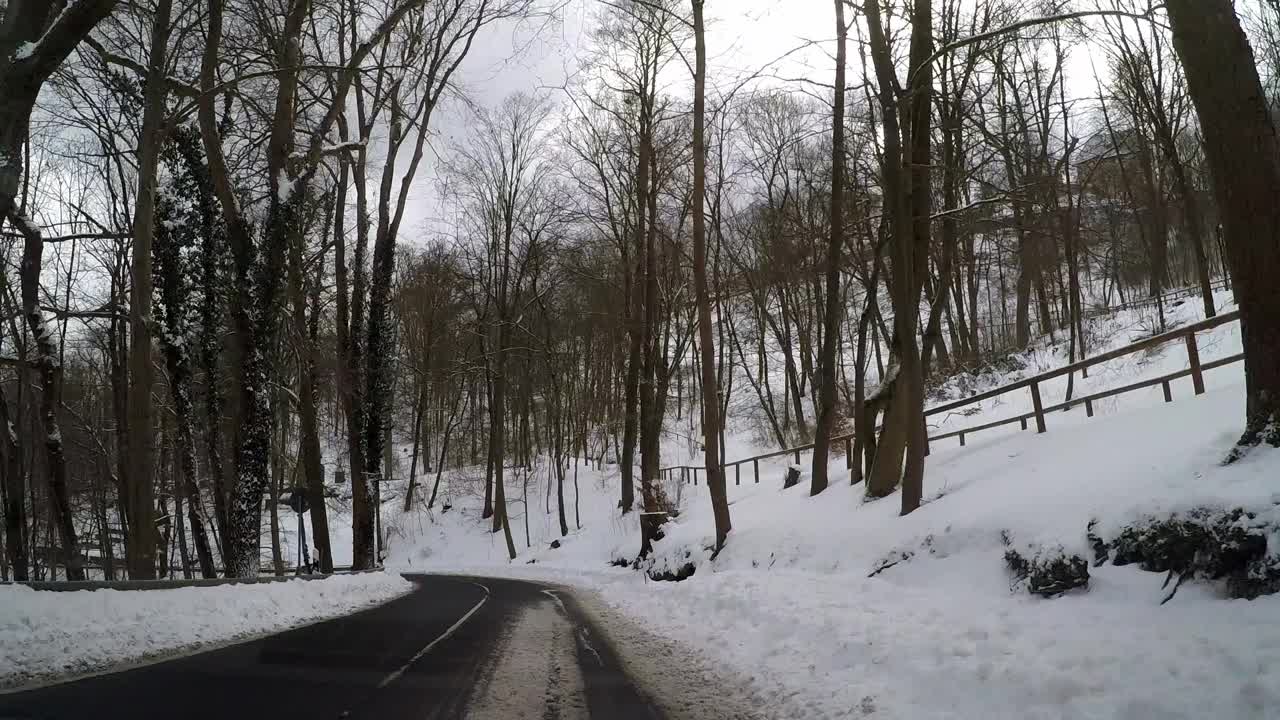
381,351
175,232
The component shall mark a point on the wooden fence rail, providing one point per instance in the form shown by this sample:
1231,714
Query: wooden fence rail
1196,370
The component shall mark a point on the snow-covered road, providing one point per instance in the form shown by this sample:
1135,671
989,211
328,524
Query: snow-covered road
457,647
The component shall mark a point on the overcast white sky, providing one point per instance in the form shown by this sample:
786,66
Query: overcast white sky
742,36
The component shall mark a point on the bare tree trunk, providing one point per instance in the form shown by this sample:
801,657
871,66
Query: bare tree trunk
305,332
1244,160
419,410
498,438
141,440
907,204
711,423
646,249
831,315
15,513
631,392
281,424
444,449
921,210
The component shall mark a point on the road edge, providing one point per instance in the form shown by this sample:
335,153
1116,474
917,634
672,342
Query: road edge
692,687
10,685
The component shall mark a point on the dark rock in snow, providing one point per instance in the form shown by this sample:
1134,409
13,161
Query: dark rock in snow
555,544
792,478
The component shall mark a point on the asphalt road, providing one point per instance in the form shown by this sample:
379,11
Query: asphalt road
454,648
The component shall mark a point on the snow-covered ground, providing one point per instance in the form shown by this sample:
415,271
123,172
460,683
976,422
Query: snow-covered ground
789,606
47,634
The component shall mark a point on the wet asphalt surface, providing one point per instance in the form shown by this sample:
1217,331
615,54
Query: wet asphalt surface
455,647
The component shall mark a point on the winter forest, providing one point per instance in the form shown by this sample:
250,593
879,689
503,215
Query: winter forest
249,284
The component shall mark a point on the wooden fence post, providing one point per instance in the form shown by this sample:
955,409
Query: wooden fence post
756,466
1193,356
848,453
1088,408
1038,405
961,439
1168,394
737,474
797,457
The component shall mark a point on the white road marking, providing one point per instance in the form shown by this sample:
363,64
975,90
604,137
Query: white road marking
552,594
443,636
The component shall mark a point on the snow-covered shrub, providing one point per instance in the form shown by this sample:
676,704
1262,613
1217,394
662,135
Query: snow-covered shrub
1045,571
1227,545
675,564
979,378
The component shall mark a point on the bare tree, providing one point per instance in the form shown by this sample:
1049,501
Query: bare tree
34,41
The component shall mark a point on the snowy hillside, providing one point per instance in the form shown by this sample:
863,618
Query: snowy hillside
947,632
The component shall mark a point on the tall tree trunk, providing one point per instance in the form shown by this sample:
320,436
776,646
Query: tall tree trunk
305,331
15,512
184,415
498,438
711,423
141,441
351,347
652,394
1244,161
380,349
907,203
831,315
635,346
420,409
921,210
558,454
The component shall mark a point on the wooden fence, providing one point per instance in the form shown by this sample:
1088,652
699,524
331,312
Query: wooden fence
1195,370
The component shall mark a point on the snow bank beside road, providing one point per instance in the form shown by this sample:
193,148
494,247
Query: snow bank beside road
946,632
789,607
46,634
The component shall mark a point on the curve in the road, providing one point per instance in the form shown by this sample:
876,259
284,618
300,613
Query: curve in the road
455,647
